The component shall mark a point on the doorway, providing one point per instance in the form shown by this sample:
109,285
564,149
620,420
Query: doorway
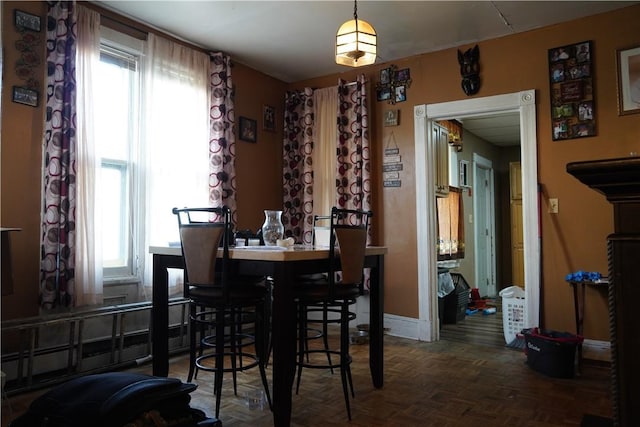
424,115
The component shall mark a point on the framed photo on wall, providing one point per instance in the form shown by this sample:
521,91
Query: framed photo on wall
268,118
26,96
628,80
391,117
383,93
26,21
385,76
571,87
401,93
247,130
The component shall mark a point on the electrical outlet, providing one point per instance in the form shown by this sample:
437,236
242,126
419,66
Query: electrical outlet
553,206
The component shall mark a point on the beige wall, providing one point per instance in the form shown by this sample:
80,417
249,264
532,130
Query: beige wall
20,178
259,165
574,239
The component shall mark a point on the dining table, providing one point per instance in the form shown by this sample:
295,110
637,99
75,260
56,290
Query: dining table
282,265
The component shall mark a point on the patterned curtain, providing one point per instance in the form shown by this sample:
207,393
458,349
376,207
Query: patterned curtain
353,175
59,186
298,166
222,151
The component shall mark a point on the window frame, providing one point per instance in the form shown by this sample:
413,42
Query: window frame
128,52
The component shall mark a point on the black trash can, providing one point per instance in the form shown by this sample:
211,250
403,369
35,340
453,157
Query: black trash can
456,303
551,353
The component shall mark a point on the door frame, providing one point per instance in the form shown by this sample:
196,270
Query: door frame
480,162
424,115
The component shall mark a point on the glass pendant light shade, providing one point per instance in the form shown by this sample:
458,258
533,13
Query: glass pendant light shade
356,43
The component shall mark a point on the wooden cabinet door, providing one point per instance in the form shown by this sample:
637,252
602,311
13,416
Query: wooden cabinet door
517,239
441,141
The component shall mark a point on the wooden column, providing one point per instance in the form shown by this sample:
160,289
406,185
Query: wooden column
619,181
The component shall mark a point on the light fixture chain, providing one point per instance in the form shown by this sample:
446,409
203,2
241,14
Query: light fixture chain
355,14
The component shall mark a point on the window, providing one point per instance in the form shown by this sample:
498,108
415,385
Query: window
117,113
151,127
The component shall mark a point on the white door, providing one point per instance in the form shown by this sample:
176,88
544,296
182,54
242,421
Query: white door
484,212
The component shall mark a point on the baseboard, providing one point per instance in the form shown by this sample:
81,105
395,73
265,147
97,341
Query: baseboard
596,350
407,327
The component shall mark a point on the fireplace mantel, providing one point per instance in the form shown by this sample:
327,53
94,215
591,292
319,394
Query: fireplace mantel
619,181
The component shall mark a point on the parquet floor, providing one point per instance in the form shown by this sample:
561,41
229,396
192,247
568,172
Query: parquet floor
445,383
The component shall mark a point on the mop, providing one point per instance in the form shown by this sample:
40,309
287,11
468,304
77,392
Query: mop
519,341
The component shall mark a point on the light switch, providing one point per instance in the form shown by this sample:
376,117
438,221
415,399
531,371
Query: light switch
553,206
470,218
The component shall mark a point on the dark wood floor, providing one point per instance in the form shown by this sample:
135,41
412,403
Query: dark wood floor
478,328
445,383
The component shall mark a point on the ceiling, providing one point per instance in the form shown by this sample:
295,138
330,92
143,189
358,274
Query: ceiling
502,129
294,40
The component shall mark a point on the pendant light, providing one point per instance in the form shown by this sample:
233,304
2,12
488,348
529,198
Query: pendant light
356,42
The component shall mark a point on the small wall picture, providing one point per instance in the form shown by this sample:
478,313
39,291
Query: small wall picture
403,75
26,96
268,118
26,21
391,118
248,129
385,76
383,93
583,52
560,129
401,93
557,72
585,111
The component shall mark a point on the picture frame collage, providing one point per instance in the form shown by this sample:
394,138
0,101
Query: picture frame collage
572,95
393,84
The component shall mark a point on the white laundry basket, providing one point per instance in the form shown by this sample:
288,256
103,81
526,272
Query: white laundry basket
512,312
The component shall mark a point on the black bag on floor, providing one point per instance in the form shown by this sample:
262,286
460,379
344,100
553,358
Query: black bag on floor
115,399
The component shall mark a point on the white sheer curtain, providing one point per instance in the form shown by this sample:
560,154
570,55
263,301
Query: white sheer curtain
325,102
176,134
88,251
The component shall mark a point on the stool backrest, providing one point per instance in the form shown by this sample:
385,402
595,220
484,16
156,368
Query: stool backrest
203,231
348,241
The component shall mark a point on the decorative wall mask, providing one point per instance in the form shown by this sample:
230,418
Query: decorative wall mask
470,70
